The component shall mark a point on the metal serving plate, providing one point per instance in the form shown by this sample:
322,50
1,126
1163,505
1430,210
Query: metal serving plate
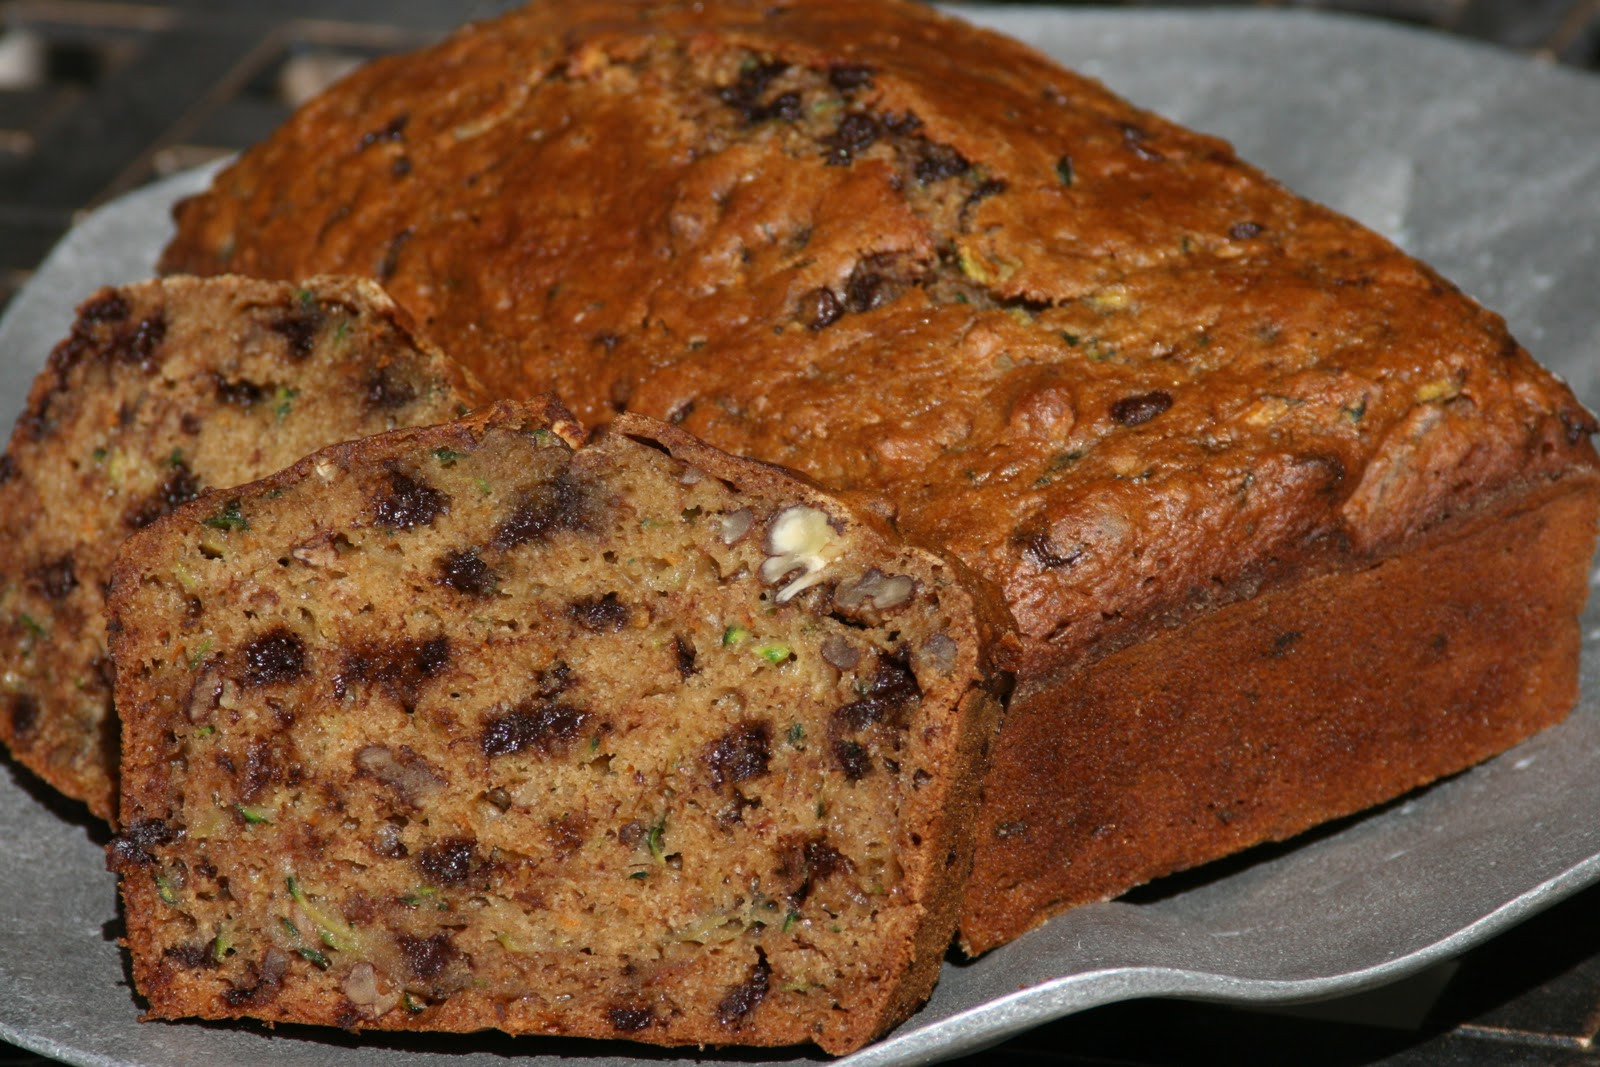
1482,163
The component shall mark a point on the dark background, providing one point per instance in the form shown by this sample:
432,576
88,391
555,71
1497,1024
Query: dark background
97,98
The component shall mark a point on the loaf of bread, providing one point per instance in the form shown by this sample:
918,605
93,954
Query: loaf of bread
161,391
460,727
1288,525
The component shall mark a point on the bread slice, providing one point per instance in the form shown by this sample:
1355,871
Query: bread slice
466,727
161,391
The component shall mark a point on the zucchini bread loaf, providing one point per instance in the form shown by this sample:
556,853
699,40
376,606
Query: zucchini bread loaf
1288,524
161,391
460,727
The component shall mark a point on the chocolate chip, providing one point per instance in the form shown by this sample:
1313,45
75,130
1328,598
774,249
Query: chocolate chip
785,107
276,657
745,94
466,573
743,998
107,307
393,130
684,654
847,77
630,1020
427,957
819,308
856,132
408,503
24,715
140,345
387,389
400,167
263,982
55,578
191,956
8,468
852,758
1579,424
938,162
604,614
1243,231
740,754
565,834
546,728
449,862
262,767
242,393
1141,408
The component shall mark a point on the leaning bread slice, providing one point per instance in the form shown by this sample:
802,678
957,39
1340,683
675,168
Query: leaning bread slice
466,727
161,391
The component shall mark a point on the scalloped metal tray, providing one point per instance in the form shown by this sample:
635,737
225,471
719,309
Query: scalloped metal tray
1480,162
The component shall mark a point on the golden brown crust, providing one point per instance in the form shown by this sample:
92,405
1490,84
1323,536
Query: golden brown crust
1120,374
163,391
484,731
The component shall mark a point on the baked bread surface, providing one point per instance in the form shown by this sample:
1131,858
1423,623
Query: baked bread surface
1121,374
463,727
162,391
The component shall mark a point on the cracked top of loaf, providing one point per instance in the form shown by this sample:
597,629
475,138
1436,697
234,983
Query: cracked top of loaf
1094,355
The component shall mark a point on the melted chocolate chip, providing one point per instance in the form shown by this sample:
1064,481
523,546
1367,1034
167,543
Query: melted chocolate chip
8,468
600,615
427,957
55,578
546,728
1243,231
805,861
387,389
140,345
399,668
556,506
740,754
1141,408
743,998
893,690
136,845
466,573
1042,550
299,330
408,503
276,657
449,862
179,487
